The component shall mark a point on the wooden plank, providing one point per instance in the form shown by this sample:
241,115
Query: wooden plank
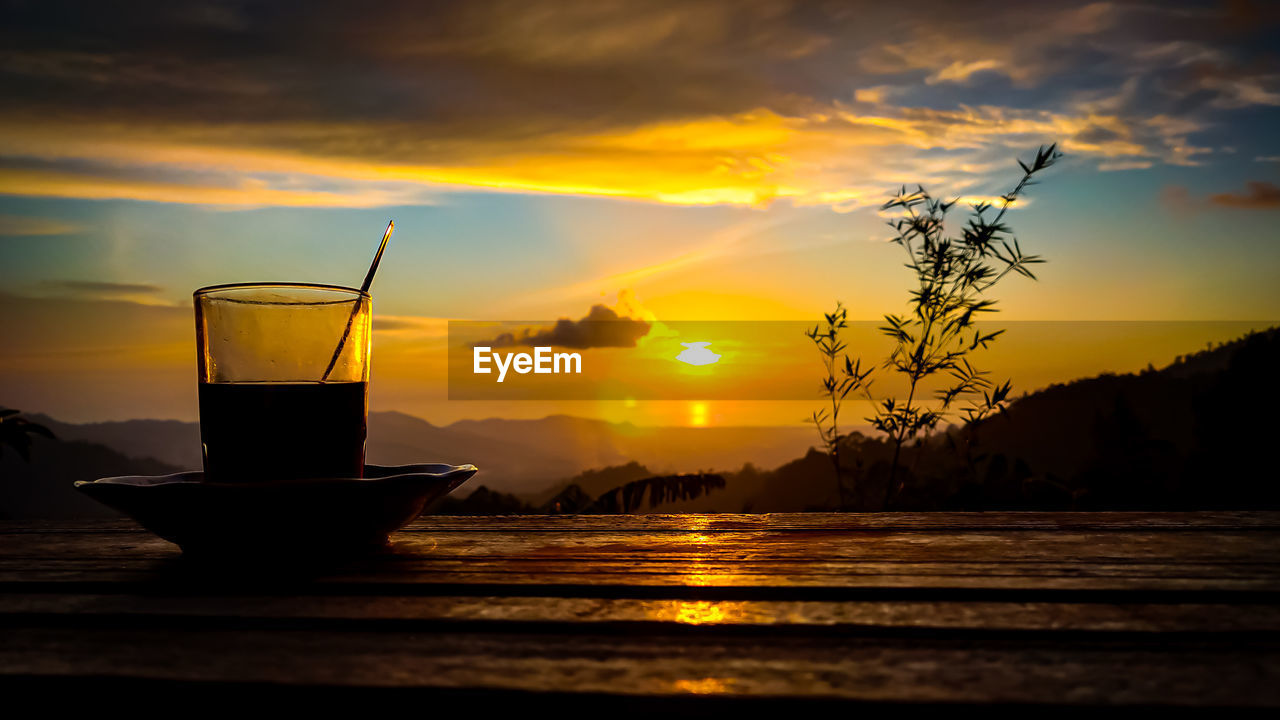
603,582
878,669
1238,547
632,613
631,584
1012,521
1148,559
1144,608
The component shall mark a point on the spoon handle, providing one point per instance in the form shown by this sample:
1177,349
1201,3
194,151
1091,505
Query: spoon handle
364,287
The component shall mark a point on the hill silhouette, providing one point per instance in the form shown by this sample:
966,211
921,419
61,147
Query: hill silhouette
531,459
591,484
171,442
607,490
1195,434
45,487
524,457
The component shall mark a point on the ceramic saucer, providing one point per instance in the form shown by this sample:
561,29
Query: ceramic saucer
305,516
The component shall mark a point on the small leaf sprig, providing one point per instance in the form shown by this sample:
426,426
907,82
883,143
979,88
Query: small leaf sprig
939,332
837,384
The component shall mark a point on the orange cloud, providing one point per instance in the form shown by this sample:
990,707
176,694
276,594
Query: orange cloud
247,193
1258,195
743,102
960,71
749,159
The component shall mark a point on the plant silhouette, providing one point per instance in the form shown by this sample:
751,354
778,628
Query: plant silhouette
836,386
16,432
664,488
953,276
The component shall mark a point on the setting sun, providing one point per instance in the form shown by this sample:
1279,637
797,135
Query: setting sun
698,414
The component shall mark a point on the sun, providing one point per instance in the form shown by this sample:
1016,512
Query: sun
698,414
696,353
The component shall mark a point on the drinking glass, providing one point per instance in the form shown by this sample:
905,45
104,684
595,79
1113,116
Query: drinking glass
283,380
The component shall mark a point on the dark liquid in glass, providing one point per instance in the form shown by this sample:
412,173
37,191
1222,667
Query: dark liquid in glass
261,431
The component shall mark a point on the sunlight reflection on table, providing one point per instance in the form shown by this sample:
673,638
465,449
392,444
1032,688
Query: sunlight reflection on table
703,686
701,612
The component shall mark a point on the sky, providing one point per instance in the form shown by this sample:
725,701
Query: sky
711,161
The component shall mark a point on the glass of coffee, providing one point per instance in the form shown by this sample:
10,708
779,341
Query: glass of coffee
283,380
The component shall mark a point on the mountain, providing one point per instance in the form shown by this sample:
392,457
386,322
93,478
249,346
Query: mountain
591,443
509,462
1196,434
171,442
394,439
599,444
526,457
529,458
482,501
591,484
44,488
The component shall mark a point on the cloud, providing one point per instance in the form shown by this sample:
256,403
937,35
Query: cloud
1258,195
386,323
960,71
24,226
602,327
744,102
1125,165
91,174
751,159
410,325
138,293
105,288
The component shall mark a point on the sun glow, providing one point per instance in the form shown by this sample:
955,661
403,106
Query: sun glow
698,414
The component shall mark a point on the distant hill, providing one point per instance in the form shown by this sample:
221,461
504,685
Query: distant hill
171,442
44,488
530,458
592,483
595,491
1195,434
394,439
594,444
508,462
482,501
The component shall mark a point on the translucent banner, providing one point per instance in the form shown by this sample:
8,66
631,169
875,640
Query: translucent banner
774,360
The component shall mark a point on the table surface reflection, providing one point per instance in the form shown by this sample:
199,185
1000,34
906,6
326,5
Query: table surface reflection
669,613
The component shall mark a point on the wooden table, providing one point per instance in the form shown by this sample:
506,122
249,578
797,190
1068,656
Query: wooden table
673,614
